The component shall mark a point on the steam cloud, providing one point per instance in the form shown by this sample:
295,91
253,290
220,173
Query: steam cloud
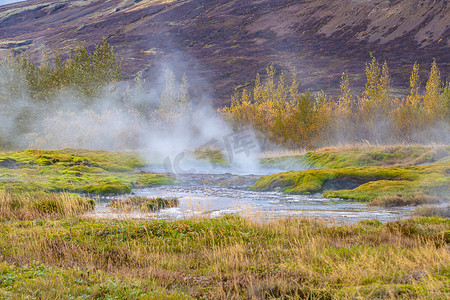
156,118
161,122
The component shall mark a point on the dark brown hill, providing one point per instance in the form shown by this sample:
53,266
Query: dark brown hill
227,42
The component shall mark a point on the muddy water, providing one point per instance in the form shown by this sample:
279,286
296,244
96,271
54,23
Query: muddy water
215,195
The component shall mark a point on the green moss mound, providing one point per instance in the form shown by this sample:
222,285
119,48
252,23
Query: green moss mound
395,185
106,188
75,170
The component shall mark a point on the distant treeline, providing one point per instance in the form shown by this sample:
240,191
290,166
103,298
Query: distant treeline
85,91
283,116
83,72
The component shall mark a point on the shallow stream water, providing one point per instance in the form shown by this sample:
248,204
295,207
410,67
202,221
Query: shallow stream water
213,195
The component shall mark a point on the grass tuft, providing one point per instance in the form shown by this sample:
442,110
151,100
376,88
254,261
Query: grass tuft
143,203
35,205
405,200
211,155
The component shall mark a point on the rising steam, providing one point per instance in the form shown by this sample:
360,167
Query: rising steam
161,122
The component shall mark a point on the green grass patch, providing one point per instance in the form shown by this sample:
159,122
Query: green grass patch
395,185
75,170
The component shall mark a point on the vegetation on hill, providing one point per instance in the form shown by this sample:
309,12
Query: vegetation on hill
276,109
84,72
78,101
230,41
31,94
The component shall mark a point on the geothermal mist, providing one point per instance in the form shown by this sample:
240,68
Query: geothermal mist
160,122
156,118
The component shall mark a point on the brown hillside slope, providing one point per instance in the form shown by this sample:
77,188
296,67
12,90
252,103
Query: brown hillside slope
227,42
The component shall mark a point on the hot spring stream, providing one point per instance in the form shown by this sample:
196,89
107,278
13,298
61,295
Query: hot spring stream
213,195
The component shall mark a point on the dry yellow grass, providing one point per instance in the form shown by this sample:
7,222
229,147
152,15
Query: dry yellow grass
366,145
34,205
282,153
237,258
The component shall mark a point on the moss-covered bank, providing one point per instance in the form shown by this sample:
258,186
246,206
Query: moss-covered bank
360,156
75,170
383,185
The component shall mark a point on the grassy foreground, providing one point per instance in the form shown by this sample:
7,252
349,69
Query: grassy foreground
388,176
228,257
74,170
49,251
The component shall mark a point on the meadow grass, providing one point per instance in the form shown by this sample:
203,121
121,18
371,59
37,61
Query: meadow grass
224,258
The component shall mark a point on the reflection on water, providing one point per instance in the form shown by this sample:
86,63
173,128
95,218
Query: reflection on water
216,195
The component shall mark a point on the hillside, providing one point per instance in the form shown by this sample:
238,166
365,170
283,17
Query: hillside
227,42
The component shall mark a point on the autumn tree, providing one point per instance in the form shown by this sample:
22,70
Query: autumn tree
432,97
344,116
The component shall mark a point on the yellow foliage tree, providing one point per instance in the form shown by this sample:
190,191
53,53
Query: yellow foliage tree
431,99
282,115
408,114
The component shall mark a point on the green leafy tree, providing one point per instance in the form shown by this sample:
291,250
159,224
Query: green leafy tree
82,71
